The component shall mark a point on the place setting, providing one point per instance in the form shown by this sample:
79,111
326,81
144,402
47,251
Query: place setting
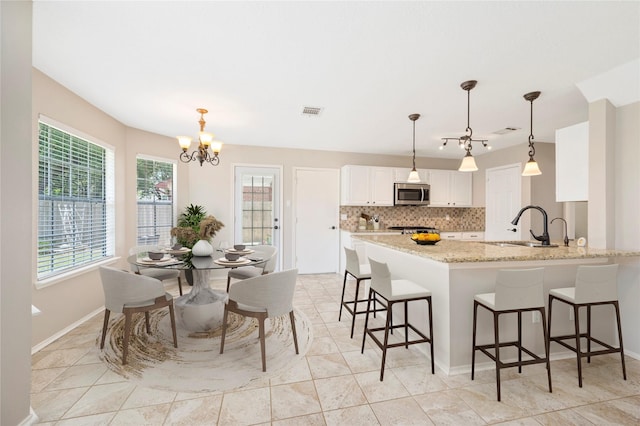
240,249
160,258
233,258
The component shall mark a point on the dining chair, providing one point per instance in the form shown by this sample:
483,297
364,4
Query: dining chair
128,294
262,297
161,274
260,251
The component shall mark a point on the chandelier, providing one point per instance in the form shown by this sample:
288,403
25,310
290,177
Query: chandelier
205,141
413,176
531,168
464,142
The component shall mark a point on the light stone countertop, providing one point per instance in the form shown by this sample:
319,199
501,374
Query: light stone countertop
448,251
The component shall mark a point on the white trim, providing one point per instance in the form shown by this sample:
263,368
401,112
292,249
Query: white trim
156,158
65,330
75,272
75,132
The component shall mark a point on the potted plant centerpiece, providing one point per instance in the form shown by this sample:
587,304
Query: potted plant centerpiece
195,225
194,230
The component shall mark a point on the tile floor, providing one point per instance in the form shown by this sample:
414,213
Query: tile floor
337,385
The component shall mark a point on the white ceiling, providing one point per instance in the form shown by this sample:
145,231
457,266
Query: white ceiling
369,65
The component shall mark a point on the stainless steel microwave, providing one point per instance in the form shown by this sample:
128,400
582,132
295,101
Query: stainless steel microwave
410,194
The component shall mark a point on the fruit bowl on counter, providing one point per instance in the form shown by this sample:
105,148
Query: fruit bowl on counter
426,239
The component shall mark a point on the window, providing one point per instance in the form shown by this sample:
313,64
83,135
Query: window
155,201
75,200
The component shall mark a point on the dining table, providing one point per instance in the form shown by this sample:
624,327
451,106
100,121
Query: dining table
201,310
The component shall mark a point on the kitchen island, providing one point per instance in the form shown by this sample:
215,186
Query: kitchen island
455,271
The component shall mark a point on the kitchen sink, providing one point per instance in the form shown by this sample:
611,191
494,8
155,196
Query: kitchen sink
517,244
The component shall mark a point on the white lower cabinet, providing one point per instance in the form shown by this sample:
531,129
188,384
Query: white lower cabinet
451,235
462,236
473,236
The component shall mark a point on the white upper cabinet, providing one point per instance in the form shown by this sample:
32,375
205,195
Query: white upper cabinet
572,163
366,186
450,188
402,174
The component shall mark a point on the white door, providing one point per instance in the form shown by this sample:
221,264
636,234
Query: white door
257,206
503,198
317,214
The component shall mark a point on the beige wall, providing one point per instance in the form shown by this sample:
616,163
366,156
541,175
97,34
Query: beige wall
15,212
536,190
627,224
627,184
66,302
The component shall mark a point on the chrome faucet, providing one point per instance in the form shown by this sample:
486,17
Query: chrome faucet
544,238
566,237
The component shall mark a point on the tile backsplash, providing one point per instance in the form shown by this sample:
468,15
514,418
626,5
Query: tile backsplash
441,218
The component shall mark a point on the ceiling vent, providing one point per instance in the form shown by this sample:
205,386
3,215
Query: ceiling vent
506,130
311,111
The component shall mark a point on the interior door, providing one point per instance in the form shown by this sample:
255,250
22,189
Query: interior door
257,206
316,212
503,201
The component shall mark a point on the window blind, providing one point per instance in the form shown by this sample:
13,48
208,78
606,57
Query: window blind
75,201
155,197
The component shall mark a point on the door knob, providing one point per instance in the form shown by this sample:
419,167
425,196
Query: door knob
333,227
512,229
276,227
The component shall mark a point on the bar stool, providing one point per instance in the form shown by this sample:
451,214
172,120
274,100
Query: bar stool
395,291
517,291
595,285
360,272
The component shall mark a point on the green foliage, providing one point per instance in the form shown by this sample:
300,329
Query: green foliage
194,224
191,217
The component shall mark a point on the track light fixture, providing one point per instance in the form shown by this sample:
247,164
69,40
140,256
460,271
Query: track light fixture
468,162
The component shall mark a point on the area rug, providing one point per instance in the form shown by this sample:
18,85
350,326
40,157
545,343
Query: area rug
197,365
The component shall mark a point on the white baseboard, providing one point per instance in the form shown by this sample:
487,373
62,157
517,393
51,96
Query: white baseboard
64,331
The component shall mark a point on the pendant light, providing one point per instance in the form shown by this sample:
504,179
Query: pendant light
468,163
414,177
531,167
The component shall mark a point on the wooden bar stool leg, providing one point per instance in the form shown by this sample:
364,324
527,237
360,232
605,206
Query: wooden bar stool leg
386,339
496,333
576,318
473,352
366,320
406,325
344,286
433,362
588,334
546,343
617,307
519,341
355,306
